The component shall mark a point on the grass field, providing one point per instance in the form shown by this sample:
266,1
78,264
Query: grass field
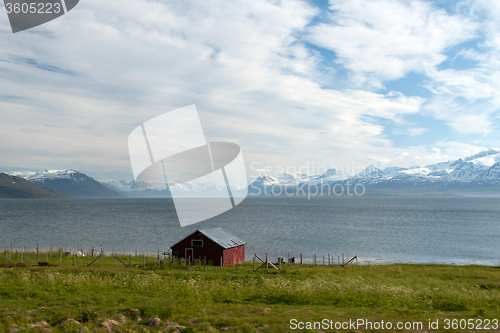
77,298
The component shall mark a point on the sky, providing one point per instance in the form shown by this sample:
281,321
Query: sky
296,84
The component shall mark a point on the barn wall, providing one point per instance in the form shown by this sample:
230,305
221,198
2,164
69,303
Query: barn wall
212,251
234,255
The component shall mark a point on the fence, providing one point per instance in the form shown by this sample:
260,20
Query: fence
92,257
303,260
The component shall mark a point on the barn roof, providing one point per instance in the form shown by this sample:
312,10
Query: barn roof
223,238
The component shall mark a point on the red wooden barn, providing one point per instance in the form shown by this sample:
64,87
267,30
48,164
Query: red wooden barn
212,244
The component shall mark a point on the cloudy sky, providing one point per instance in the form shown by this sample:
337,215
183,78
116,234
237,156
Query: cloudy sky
321,83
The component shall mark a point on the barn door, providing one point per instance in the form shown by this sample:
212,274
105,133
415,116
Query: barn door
189,254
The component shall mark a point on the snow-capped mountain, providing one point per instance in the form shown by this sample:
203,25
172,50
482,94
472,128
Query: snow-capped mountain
331,175
478,171
371,172
18,187
493,173
68,181
267,180
162,190
391,171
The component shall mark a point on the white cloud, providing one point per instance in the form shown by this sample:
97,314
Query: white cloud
71,96
477,123
412,131
117,64
385,39
416,131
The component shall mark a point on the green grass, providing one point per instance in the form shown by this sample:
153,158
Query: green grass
238,299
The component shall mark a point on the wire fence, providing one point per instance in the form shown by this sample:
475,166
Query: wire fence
99,257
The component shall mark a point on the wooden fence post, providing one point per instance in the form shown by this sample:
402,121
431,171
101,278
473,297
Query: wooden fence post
221,263
253,261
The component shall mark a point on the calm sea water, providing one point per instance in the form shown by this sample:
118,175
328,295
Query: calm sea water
378,229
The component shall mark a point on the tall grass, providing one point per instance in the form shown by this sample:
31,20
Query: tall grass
239,297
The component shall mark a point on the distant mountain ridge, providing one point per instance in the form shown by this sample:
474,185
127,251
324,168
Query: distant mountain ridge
478,172
69,181
16,187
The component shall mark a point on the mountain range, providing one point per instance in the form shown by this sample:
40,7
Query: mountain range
71,182
477,174
16,187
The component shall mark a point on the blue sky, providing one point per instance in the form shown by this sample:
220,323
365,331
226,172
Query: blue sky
294,83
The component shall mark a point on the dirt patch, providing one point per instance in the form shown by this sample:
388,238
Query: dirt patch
12,264
44,263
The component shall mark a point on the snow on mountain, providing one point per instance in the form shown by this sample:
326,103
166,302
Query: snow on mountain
290,178
390,170
45,175
487,160
480,168
464,170
266,180
417,173
162,189
21,174
493,173
119,185
332,175
42,176
370,172
68,181
484,153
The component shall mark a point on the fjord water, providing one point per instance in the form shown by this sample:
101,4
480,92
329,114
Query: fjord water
460,230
